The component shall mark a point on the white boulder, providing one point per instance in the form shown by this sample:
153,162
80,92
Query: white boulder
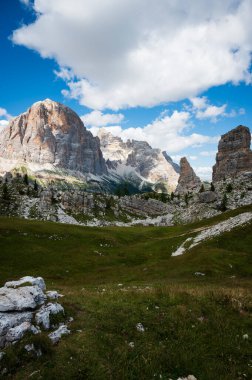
9,320
57,334
43,315
53,294
39,281
16,333
21,299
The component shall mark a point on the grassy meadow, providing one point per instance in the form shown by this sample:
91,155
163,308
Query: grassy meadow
114,278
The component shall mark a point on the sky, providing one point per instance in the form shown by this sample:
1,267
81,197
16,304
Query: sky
176,73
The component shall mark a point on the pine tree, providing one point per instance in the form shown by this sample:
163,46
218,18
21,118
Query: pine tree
35,186
26,180
212,187
223,205
5,194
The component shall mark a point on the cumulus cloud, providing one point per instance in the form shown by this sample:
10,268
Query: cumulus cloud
211,112
168,132
99,119
208,153
203,109
5,114
126,54
5,117
204,172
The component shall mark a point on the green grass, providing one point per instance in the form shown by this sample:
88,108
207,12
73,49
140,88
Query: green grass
114,278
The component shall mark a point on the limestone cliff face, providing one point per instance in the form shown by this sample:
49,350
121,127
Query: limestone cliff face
51,133
188,181
234,155
153,165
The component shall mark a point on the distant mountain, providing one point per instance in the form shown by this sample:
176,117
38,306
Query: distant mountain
50,142
152,165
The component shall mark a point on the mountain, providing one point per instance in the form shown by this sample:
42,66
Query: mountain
152,165
234,155
50,133
188,181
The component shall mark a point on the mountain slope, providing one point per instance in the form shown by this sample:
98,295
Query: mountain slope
50,133
115,278
152,165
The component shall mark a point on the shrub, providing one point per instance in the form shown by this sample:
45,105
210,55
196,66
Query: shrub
202,188
229,188
223,205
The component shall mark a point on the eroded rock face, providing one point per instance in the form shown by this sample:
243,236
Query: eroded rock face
234,154
51,133
188,181
151,164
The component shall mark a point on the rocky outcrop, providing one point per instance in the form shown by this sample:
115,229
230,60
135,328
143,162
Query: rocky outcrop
51,133
234,155
153,165
188,181
22,303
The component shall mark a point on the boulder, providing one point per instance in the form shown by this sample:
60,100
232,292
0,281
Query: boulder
21,299
53,295
56,335
39,281
20,304
9,320
16,333
43,315
207,197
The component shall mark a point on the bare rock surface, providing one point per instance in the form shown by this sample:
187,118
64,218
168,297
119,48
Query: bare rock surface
153,165
57,334
16,333
43,315
234,155
38,281
51,133
20,299
21,304
213,231
188,181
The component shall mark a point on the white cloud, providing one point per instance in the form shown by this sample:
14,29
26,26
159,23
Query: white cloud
166,132
127,54
5,114
193,158
3,124
208,153
64,73
204,172
99,119
211,112
5,117
202,109
199,102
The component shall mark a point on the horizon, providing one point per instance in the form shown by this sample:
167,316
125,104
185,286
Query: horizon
118,73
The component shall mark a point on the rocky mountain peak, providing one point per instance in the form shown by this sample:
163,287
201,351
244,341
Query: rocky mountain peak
51,133
234,155
188,181
151,164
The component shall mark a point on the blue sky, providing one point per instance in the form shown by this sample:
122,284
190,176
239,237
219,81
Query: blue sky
177,76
